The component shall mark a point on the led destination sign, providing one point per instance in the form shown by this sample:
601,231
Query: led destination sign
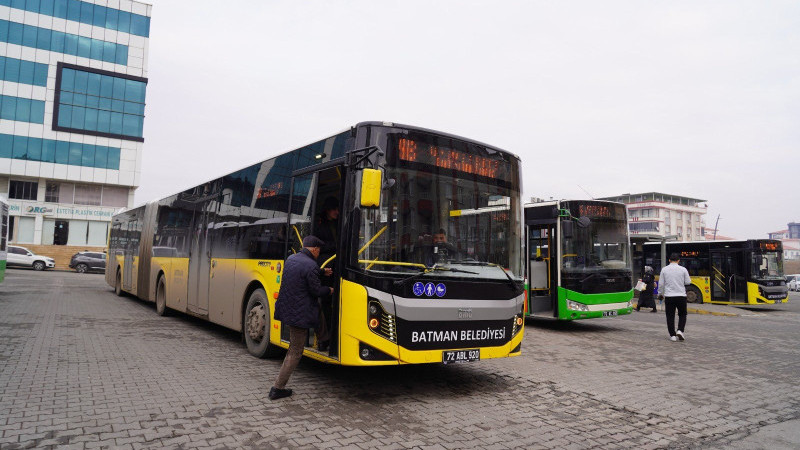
448,158
770,246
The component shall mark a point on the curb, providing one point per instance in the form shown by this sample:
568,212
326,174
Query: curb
712,313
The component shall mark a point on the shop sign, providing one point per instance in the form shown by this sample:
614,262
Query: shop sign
38,210
87,212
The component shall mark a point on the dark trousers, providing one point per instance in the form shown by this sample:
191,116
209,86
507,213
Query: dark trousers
297,341
670,305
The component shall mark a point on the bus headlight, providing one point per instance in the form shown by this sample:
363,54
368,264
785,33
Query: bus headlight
575,306
380,322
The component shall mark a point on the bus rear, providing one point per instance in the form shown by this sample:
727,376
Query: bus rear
435,273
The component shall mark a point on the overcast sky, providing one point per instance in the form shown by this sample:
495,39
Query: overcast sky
694,98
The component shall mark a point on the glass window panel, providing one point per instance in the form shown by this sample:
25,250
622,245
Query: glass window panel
134,91
92,101
3,67
43,37
115,196
26,69
130,125
81,81
3,30
138,25
46,7
60,8
57,42
34,149
8,110
104,121
96,50
117,105
119,88
23,110
93,86
25,230
79,99
87,159
124,22
122,55
113,158
6,143
131,108
12,69
73,10
78,117
106,86
77,232
109,52
87,12
70,44
91,119
32,5
48,150
99,19
65,116
20,147
84,47
75,153
116,123
66,193
37,111
112,16
98,233
29,36
62,152
140,126
15,33
19,4
101,157
40,75
67,98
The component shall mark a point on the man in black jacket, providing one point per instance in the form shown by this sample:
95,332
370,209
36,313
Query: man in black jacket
297,307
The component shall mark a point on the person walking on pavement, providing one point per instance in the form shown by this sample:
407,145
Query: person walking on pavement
646,298
297,307
672,288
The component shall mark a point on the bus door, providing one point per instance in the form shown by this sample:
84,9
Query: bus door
313,195
200,257
540,272
727,283
131,252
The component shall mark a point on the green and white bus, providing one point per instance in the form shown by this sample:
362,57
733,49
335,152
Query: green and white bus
579,260
3,237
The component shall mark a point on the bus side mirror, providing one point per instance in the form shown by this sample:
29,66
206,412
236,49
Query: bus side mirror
566,229
371,183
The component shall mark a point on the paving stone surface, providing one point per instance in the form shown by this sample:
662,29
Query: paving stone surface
82,368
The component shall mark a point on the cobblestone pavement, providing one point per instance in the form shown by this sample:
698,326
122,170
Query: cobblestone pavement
81,368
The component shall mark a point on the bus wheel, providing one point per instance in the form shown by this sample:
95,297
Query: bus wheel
161,297
257,325
118,284
693,295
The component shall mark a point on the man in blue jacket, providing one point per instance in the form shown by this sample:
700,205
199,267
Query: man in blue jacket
297,307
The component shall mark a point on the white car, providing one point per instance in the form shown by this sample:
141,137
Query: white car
793,282
22,257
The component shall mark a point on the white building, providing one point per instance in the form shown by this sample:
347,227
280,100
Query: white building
73,78
656,213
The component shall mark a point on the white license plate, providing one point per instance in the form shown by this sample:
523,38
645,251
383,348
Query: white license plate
461,356
609,313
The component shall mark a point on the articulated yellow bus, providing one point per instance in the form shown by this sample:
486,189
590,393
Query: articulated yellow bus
428,260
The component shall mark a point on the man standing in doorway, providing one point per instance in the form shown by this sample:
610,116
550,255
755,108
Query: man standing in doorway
297,307
672,288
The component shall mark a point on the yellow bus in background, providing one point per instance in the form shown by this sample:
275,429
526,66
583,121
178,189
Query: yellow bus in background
216,251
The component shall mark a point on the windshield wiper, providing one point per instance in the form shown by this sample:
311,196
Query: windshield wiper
433,268
484,264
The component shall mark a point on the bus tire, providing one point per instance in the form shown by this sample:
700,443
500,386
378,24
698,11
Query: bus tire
161,297
256,325
118,284
693,295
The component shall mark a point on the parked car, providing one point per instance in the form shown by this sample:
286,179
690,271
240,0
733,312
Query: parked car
793,282
83,262
22,257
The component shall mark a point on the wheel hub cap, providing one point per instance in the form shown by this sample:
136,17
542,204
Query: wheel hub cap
256,319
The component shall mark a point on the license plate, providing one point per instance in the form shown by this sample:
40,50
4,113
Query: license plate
461,356
609,313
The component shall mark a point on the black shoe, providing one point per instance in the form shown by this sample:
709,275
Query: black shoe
276,393
323,346
655,310
637,309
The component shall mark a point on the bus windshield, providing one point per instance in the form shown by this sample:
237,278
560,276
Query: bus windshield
767,266
602,244
442,216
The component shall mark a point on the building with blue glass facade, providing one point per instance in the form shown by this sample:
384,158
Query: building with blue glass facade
73,80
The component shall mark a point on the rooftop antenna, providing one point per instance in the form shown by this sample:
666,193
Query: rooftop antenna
715,228
587,192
